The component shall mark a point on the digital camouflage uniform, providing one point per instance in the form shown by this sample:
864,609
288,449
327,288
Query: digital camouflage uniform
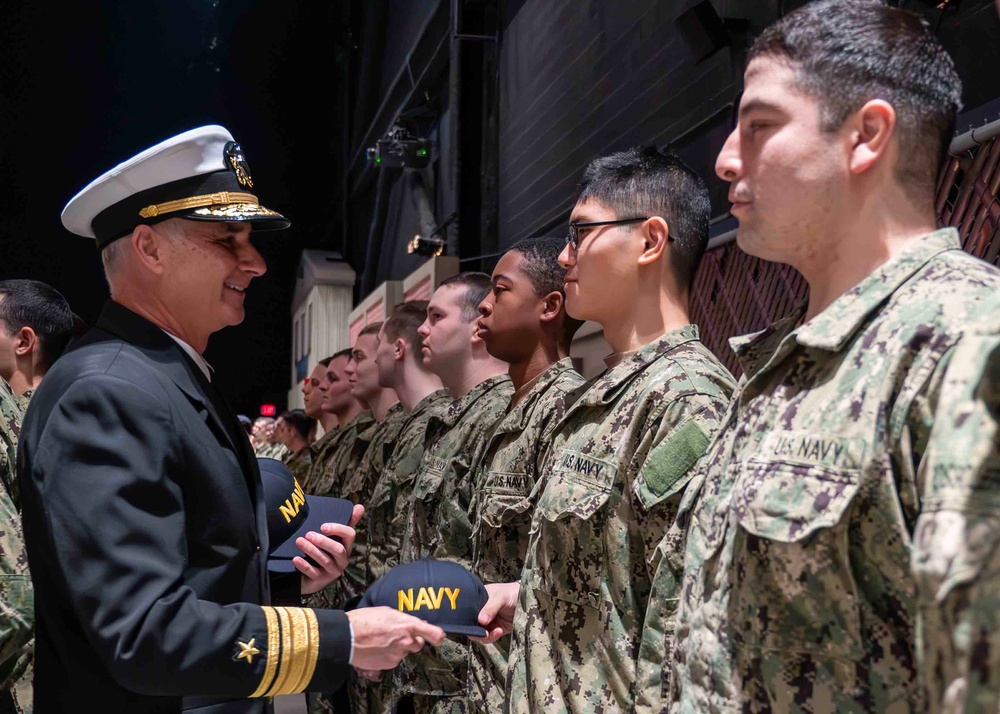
437,526
500,508
386,519
340,458
842,534
274,451
300,464
17,616
599,514
336,460
319,452
379,441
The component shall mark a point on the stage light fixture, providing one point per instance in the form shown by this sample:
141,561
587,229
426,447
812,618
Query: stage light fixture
430,246
400,149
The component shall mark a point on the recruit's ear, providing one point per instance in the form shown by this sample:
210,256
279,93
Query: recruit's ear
552,306
655,234
25,341
872,129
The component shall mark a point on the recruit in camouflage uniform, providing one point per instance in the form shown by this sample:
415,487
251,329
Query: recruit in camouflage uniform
842,549
391,492
599,515
17,616
379,441
274,451
385,519
500,508
335,459
300,464
334,463
319,452
438,526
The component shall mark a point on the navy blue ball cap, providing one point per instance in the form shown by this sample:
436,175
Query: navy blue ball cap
291,514
439,591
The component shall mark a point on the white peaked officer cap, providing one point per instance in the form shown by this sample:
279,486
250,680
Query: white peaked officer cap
200,175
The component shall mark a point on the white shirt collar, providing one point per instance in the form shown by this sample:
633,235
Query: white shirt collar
204,366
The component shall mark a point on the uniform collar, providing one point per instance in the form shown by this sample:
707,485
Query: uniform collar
833,328
428,401
360,419
605,388
203,365
517,418
460,406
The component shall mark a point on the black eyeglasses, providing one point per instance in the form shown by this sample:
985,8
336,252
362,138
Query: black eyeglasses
574,236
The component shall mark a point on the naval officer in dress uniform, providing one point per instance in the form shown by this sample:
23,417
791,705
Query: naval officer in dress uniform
143,515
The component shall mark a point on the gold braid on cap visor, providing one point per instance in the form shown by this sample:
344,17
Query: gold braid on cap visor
223,204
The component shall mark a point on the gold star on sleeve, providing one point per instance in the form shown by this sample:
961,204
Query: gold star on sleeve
247,650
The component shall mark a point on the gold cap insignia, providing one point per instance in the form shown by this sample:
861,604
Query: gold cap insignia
238,162
247,650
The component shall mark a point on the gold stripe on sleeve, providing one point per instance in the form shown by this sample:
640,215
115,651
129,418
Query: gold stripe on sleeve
299,651
273,651
310,650
280,685
296,661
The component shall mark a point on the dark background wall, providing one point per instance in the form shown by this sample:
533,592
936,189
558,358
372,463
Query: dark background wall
516,97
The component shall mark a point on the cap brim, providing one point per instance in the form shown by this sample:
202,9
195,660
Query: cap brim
467,630
322,509
263,219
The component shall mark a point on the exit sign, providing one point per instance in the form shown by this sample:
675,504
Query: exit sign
268,410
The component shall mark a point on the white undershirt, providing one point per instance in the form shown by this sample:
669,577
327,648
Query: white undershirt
204,366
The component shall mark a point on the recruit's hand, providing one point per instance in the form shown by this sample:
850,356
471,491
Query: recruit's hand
330,556
383,636
497,615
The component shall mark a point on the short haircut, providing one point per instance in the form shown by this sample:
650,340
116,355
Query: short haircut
846,54
404,321
370,329
540,262
297,419
30,303
338,354
325,361
648,182
477,286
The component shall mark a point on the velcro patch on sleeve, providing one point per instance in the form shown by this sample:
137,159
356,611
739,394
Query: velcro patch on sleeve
668,465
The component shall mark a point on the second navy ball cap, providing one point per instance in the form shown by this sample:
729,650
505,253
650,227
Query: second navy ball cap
439,591
291,514
200,175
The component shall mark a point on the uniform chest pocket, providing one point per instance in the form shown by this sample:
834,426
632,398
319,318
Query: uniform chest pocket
795,589
505,499
430,479
570,554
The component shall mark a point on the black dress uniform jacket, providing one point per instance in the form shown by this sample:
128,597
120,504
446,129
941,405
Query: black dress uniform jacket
147,542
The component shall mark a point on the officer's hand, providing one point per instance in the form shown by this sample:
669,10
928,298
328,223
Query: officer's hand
372,675
383,636
497,615
330,556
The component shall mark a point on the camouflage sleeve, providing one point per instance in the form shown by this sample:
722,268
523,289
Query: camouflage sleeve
686,431
956,558
17,616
